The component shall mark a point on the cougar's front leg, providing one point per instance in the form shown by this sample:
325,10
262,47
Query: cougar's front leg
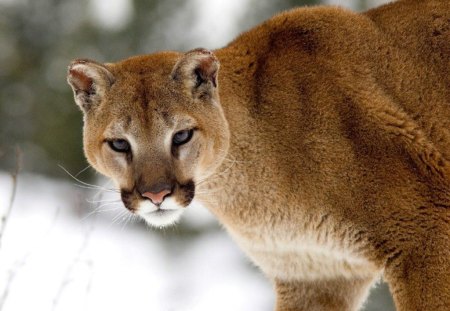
336,294
419,279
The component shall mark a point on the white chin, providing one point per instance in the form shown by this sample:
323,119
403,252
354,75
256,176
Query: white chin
167,215
162,218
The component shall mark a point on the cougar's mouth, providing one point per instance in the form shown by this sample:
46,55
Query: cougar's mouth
163,213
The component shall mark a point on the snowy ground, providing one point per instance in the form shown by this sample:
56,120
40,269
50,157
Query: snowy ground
53,257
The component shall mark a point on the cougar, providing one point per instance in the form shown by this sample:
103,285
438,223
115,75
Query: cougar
320,139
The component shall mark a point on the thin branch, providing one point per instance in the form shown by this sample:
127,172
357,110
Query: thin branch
78,259
14,176
18,264
11,276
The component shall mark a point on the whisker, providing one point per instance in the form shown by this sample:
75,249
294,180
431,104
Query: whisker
102,201
129,219
108,204
101,192
96,188
98,210
84,169
85,184
119,216
219,174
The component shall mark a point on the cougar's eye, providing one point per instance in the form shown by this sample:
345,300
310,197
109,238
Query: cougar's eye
119,145
182,137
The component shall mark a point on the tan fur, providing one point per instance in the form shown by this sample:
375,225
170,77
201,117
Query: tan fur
326,156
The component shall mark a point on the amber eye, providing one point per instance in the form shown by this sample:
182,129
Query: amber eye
119,145
182,137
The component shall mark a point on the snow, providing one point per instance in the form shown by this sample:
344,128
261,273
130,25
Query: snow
213,23
111,15
53,257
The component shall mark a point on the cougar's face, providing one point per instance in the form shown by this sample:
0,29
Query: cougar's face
156,139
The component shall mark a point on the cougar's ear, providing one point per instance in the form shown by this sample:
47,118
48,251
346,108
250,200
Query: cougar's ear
89,81
197,70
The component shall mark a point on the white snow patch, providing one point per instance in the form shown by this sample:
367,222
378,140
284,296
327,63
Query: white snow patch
111,15
209,24
53,257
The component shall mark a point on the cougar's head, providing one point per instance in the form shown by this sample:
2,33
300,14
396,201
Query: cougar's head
154,124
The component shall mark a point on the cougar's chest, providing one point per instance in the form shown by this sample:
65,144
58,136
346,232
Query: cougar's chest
304,256
290,242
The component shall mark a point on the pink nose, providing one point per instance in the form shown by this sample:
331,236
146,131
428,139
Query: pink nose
156,198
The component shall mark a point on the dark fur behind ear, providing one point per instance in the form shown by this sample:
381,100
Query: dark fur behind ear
89,81
198,70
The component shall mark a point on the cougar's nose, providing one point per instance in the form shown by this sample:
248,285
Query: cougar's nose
158,192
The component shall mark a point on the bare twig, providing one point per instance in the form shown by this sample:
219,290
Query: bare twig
77,260
11,276
14,176
19,263
68,275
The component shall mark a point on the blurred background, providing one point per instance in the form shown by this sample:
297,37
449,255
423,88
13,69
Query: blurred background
66,246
